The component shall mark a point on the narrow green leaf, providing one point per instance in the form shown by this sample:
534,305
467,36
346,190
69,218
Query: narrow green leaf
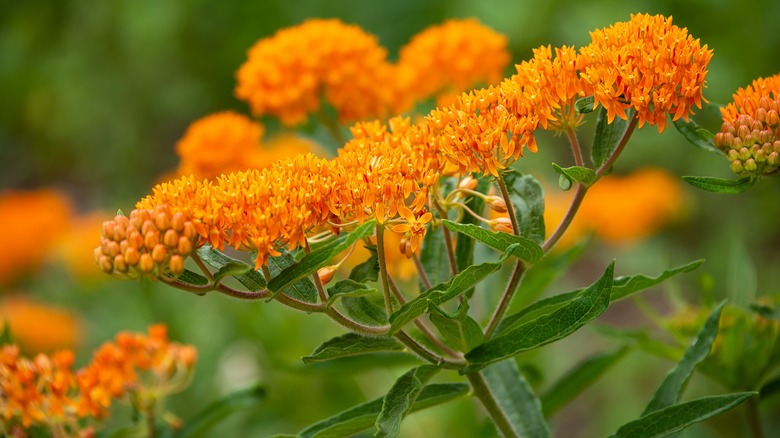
582,175
366,310
622,287
316,259
231,269
670,389
680,416
363,416
368,270
516,399
303,289
348,288
252,280
444,292
460,331
696,135
434,262
464,245
527,196
565,320
526,249
190,277
400,398
719,185
578,379
608,136
640,339
584,105
352,344
214,413
766,311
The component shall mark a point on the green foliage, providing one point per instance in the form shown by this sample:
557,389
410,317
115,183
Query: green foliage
696,135
523,248
250,279
579,174
584,105
301,289
607,137
433,258
464,245
192,278
349,288
352,344
460,331
368,270
202,422
527,196
400,398
720,185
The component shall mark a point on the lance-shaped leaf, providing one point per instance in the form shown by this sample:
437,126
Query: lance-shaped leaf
368,270
460,331
672,386
527,196
549,327
400,398
584,105
303,289
217,411
365,310
363,416
519,407
525,249
444,292
578,379
719,185
696,135
676,418
316,259
579,174
250,279
352,344
436,266
608,136
622,287
348,288
190,277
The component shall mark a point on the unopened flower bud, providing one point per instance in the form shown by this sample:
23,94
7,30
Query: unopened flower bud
773,159
733,155
162,221
120,264
184,246
146,263
736,166
150,240
405,246
176,264
760,156
772,118
743,131
105,264
750,165
171,238
159,253
132,256
496,203
468,183
501,224
326,274
177,222
744,153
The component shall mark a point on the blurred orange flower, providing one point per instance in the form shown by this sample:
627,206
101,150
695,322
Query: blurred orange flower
38,327
33,221
75,247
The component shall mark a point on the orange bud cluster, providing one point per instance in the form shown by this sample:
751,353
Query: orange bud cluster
148,242
750,134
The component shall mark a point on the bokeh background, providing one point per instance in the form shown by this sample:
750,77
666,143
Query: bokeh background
96,94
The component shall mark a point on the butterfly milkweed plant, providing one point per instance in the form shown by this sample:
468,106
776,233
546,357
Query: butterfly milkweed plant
420,237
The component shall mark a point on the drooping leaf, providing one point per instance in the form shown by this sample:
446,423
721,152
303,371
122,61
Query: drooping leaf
670,389
444,292
584,105
349,288
213,414
318,258
525,249
400,398
527,196
520,409
579,174
464,247
252,280
678,417
301,290
696,135
352,344
719,185
459,331
549,327
578,379
363,416
368,270
608,136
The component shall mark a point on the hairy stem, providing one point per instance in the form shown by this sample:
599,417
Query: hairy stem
483,394
425,353
355,326
447,239
506,298
576,151
384,279
510,208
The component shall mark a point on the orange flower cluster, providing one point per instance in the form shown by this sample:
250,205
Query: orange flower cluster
750,134
647,64
286,74
46,391
450,58
39,327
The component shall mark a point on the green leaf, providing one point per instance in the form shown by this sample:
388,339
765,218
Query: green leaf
5,337
527,196
719,185
363,416
578,379
352,344
318,258
400,398
303,289
252,280
550,327
368,270
641,339
365,311
622,287
444,292
231,269
525,249
584,105
217,411
608,136
348,288
516,401
670,389
460,331
464,245
678,417
193,278
766,311
433,258
582,175
696,135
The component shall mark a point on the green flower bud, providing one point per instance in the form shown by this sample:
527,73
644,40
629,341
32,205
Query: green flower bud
736,166
750,165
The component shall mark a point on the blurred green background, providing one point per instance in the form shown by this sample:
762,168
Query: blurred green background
95,95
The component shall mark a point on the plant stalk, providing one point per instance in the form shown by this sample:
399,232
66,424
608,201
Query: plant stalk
488,401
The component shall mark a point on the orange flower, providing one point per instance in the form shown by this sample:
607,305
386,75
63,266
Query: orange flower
413,226
750,134
646,64
32,222
38,327
286,74
450,58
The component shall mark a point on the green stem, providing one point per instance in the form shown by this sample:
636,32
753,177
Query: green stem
447,239
754,417
242,294
483,394
151,428
380,250
506,298
355,326
421,271
510,208
623,141
202,266
575,146
426,354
